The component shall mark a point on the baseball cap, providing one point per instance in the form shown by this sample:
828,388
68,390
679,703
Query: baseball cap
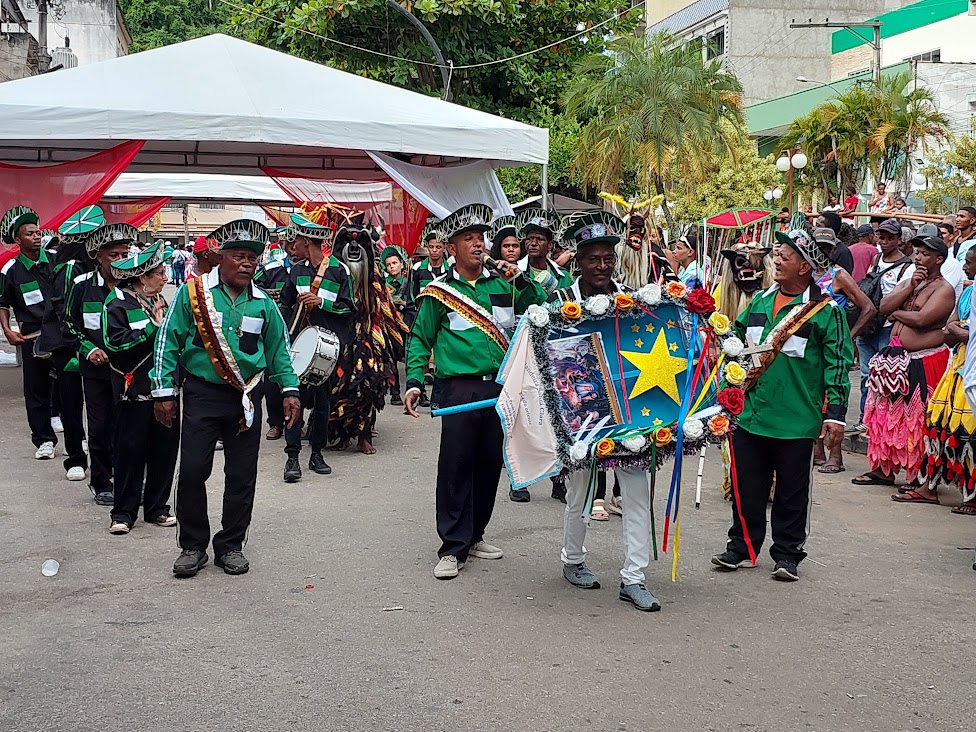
824,236
892,226
928,230
865,230
932,242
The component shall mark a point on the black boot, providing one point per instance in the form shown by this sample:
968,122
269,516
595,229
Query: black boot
293,471
559,489
317,464
519,496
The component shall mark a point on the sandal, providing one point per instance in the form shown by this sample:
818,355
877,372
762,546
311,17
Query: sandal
913,496
966,509
871,478
614,506
599,512
831,469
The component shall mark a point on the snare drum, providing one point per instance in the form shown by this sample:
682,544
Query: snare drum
314,355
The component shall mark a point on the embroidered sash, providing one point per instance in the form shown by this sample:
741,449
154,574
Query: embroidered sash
783,331
467,309
215,344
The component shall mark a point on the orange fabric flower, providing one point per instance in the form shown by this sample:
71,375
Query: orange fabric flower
677,289
605,447
571,310
624,302
718,425
662,436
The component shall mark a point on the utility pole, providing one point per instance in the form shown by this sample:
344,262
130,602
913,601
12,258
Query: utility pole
875,44
44,58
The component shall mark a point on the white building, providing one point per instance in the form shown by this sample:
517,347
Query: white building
96,28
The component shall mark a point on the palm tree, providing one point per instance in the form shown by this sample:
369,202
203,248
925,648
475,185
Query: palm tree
651,105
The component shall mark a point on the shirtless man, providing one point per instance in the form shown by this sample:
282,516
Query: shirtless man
919,308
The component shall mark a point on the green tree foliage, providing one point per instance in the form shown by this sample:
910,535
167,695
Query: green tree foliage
467,32
155,23
658,108
521,183
950,176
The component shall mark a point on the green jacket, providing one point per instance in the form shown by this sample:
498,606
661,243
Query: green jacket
459,348
562,277
256,334
787,401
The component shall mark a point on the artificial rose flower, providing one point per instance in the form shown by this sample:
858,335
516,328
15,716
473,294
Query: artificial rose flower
579,451
649,294
598,305
735,374
571,310
718,425
693,429
634,443
699,301
732,399
623,301
604,447
538,316
720,323
662,436
732,346
677,289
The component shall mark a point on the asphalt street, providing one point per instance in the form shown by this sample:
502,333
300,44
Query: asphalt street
340,625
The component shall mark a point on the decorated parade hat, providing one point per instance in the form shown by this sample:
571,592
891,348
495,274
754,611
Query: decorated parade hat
392,251
14,219
598,227
80,224
803,243
309,229
502,227
535,219
430,232
473,217
285,233
138,265
49,238
242,233
108,234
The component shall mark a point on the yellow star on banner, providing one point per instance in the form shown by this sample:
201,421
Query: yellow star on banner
657,368
673,347
635,328
649,328
639,343
670,324
657,422
646,412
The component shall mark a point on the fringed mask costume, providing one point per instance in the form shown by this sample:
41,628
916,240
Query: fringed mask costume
744,270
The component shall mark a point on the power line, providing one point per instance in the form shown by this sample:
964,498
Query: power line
453,67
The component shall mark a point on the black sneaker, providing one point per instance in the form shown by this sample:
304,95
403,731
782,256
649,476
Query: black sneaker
317,464
786,571
190,562
519,496
396,400
104,498
559,489
730,561
293,471
233,563
424,401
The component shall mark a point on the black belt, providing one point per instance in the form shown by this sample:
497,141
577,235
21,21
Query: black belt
485,377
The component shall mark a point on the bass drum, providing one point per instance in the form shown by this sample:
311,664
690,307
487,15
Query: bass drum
314,355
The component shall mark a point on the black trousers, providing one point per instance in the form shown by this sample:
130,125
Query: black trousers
757,458
37,394
274,403
468,466
146,454
213,412
72,404
395,388
318,399
100,408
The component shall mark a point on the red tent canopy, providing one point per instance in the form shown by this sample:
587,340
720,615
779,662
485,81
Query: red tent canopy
737,218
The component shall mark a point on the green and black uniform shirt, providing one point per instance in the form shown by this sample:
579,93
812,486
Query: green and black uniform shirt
129,334
271,278
459,348
26,288
64,279
787,402
83,316
337,309
252,326
557,277
421,275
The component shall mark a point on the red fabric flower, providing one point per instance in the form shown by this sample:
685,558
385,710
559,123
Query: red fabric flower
733,399
699,301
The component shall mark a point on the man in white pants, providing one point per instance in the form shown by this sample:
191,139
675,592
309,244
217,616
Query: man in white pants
596,237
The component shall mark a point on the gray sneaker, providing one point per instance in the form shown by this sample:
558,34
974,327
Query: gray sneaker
640,597
579,575
190,562
232,563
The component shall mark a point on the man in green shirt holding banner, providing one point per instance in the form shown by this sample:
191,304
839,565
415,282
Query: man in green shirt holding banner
225,332
804,353
464,318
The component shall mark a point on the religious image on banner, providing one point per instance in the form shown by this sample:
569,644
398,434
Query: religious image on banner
581,375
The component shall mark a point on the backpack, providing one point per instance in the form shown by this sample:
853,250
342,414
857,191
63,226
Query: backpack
870,285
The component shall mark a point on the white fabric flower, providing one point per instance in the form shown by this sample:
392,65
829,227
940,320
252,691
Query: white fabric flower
693,429
649,294
538,316
579,450
597,305
634,444
732,346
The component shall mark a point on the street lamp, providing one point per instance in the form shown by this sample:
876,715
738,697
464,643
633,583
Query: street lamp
787,162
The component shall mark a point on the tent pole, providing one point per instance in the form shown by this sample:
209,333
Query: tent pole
545,187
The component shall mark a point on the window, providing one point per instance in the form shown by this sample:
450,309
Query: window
715,44
173,207
933,56
213,206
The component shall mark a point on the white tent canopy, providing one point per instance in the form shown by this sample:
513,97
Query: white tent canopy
222,105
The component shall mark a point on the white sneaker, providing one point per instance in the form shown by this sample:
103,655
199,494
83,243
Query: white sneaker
119,527
56,424
75,473
45,452
84,446
447,568
484,550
